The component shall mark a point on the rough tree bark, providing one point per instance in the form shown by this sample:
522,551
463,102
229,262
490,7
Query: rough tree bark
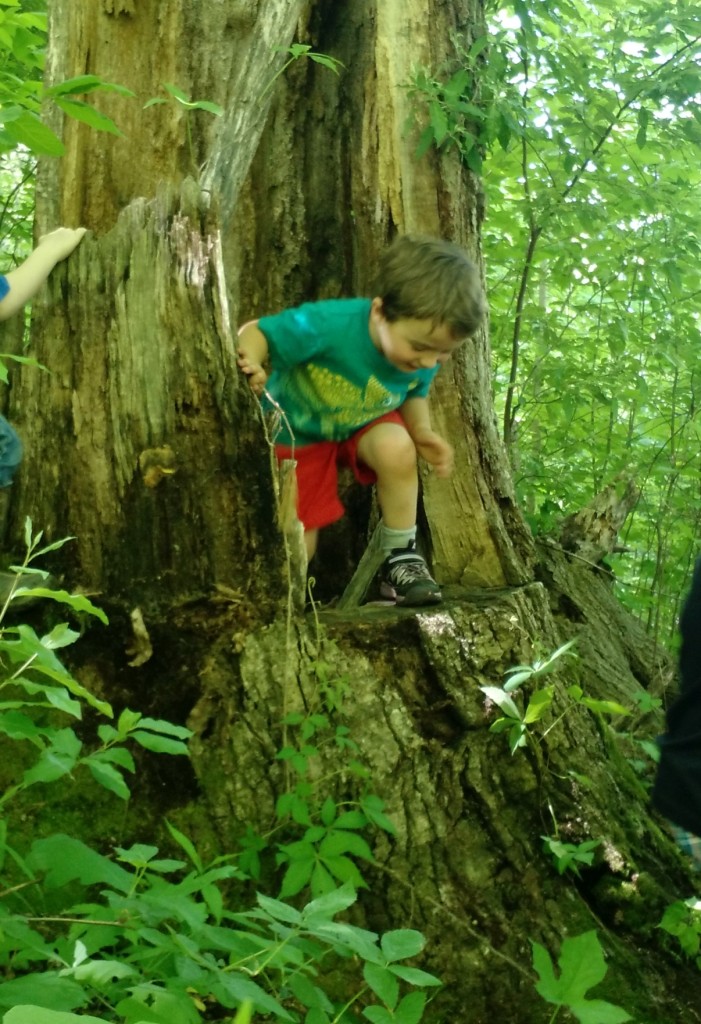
143,382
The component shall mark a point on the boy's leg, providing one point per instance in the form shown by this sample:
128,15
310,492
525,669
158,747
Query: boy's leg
387,448
311,539
389,451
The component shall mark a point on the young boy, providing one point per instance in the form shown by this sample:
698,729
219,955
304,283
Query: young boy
352,378
17,288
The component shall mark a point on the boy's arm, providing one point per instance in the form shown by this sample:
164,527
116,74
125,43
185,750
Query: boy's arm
26,280
252,354
430,445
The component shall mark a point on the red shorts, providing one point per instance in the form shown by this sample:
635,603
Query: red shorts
318,503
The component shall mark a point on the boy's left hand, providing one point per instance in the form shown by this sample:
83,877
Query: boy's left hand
436,451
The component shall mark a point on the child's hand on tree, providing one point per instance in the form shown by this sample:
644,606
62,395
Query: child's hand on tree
436,451
61,242
254,371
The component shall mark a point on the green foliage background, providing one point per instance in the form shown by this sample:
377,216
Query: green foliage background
583,118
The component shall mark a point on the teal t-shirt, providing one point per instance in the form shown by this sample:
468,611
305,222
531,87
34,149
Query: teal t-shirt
328,377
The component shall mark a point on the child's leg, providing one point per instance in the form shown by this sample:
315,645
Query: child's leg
311,539
389,451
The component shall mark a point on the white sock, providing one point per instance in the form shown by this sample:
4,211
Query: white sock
391,539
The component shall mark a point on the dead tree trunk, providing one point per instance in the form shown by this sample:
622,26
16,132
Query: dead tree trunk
145,445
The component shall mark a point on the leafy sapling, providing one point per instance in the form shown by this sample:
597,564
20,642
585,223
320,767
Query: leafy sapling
299,51
516,720
569,856
182,101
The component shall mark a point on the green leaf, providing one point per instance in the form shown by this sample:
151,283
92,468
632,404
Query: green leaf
383,983
597,1011
340,841
159,744
515,680
138,855
502,700
378,1015
411,1008
56,760
331,903
127,721
64,860
538,704
308,994
115,755
86,83
373,808
77,602
46,990
439,123
244,1013
328,62
414,976
108,777
297,875
83,112
100,973
167,728
27,130
186,844
177,93
347,938
402,943
60,636
278,910
582,966
150,1004
351,820
328,811
604,707
238,988
41,1015
211,108
344,870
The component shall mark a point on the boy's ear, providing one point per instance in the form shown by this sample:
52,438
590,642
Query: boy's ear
377,306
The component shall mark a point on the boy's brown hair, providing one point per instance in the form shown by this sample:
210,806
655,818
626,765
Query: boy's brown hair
426,278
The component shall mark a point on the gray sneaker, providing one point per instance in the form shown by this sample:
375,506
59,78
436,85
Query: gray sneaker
406,579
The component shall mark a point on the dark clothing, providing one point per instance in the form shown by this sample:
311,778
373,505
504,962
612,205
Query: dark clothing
10,444
10,452
677,790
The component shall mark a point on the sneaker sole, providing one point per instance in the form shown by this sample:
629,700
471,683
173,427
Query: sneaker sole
411,601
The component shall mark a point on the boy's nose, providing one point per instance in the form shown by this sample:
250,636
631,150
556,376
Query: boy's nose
428,361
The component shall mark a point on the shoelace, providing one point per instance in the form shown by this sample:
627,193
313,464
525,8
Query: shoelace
408,571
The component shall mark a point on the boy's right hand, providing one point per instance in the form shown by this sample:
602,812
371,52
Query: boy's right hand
254,371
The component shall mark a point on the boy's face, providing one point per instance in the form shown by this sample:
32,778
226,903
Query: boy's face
411,344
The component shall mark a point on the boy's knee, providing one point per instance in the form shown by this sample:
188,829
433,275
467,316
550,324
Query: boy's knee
396,453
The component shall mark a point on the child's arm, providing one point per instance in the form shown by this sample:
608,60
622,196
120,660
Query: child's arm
252,354
26,280
430,445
